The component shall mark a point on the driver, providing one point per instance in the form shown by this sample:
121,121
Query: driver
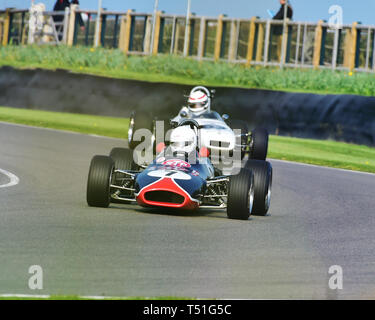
197,103
183,145
183,141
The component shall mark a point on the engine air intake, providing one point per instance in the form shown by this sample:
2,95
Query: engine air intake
164,197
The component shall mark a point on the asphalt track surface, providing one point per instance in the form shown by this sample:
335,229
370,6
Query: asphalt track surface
319,217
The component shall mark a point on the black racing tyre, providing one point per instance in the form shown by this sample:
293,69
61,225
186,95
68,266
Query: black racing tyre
139,120
259,144
240,125
123,158
240,195
99,180
262,171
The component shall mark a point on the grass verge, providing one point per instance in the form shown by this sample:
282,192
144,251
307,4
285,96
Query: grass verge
324,153
174,69
88,124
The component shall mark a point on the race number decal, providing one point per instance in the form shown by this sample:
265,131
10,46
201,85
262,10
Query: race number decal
178,163
159,160
173,174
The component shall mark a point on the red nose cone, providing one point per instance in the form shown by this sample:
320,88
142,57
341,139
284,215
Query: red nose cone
160,147
204,153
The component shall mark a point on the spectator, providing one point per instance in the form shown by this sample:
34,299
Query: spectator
280,14
79,16
60,5
278,29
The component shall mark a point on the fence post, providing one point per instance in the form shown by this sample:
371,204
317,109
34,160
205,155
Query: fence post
267,42
6,29
219,37
173,35
251,41
297,44
353,47
202,37
98,30
335,48
148,33
155,48
122,32
72,24
261,44
350,47
177,38
1,30
232,41
187,36
126,24
66,25
318,44
347,44
284,44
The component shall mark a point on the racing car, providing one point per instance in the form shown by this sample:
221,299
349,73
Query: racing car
217,132
180,177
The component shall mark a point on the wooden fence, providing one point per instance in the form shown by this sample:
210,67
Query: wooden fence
248,41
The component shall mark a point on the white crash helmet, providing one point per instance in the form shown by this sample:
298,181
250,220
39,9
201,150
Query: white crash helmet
183,140
198,102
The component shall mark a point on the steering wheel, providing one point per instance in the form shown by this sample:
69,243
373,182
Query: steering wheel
191,122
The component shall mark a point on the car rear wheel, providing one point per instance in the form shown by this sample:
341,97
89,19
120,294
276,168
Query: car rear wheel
262,171
259,144
240,195
99,181
123,158
139,120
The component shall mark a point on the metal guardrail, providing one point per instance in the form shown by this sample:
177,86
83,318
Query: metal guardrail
248,41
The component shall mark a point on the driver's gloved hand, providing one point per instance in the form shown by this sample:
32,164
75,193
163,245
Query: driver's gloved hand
174,124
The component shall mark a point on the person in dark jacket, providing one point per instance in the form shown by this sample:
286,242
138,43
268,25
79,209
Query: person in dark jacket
79,16
60,5
280,14
278,29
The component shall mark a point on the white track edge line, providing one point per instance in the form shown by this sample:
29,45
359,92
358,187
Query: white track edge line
14,180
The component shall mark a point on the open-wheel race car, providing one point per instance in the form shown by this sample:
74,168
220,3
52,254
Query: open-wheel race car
181,177
219,134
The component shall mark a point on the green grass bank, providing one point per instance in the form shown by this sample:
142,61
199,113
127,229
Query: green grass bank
174,69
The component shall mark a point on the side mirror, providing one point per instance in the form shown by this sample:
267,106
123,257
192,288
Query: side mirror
225,117
183,114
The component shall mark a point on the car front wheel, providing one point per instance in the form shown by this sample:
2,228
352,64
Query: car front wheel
240,195
99,181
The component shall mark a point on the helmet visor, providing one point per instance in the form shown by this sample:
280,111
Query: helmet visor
197,105
181,144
